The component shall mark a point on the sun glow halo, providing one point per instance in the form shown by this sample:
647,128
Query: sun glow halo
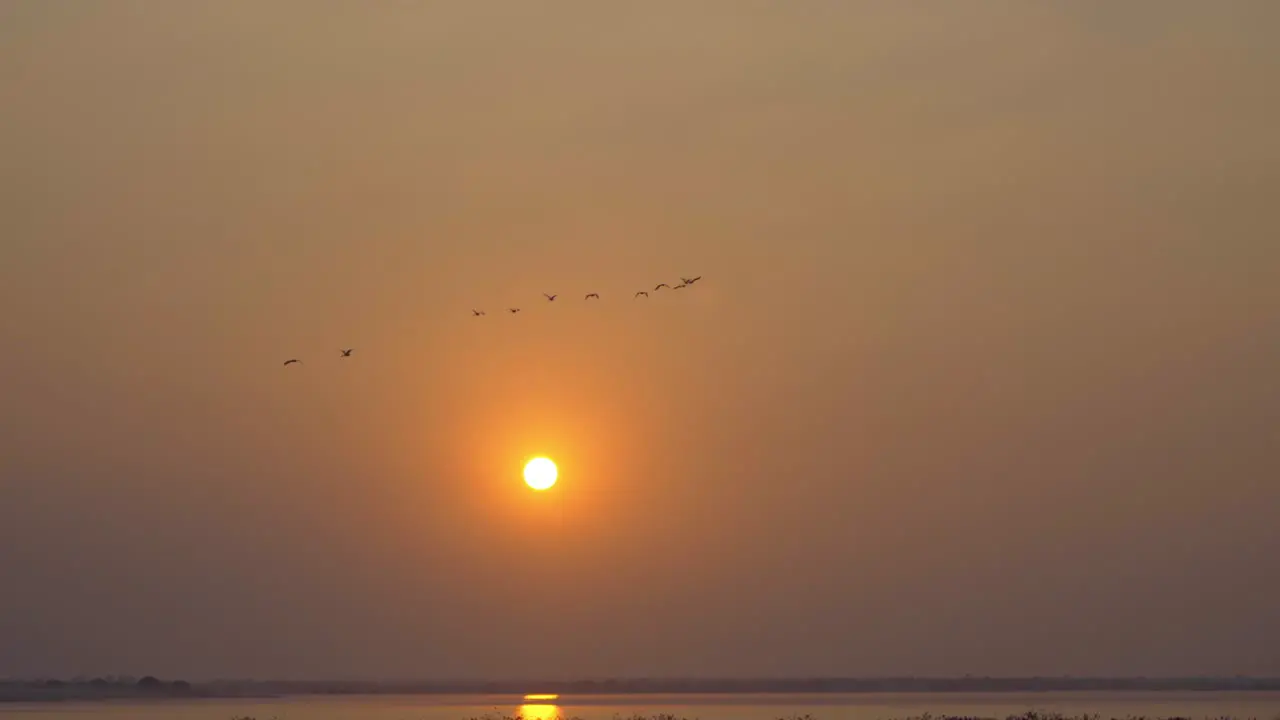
540,473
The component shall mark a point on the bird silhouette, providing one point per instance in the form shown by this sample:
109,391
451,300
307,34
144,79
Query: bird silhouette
642,293
592,295
513,311
681,286
347,352
549,297
659,286
290,361
477,313
690,281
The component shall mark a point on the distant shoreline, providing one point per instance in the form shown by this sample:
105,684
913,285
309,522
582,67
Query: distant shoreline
61,691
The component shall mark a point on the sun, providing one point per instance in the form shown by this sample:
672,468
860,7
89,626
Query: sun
540,473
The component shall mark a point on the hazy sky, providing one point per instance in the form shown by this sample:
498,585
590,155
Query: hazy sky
983,375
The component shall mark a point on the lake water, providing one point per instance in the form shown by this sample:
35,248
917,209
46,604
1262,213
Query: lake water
1260,705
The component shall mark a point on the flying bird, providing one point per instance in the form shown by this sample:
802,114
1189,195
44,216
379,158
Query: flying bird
681,286
347,352
642,293
592,295
549,297
477,313
513,311
690,281
659,286
290,361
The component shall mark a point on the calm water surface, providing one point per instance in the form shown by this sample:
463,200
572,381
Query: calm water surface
1263,706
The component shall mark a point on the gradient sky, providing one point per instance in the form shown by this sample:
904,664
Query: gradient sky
983,375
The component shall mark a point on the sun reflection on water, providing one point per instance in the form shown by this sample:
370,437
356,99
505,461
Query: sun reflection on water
540,710
540,707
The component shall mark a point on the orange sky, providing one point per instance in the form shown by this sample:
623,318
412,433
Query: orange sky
981,376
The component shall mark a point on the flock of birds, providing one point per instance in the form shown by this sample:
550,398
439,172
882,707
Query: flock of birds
684,283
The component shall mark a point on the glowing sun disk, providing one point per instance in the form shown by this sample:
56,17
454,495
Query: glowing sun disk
540,473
